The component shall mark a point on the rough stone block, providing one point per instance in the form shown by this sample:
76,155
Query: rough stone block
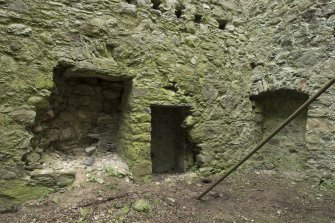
38,102
90,150
67,134
84,90
33,157
141,206
24,116
111,94
47,115
89,161
53,135
19,29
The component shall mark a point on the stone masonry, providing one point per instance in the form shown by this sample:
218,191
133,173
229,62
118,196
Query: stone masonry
80,73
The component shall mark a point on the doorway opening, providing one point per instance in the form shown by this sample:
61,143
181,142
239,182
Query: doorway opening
171,151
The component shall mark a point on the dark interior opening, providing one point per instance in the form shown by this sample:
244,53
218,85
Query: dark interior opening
222,24
156,4
170,149
179,10
197,18
82,112
131,2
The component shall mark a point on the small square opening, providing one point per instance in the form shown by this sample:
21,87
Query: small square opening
197,18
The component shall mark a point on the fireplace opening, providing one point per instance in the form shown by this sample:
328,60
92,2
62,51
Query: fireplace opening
83,113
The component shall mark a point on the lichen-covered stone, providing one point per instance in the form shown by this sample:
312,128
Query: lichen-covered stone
161,59
16,192
24,116
38,102
19,29
52,178
141,205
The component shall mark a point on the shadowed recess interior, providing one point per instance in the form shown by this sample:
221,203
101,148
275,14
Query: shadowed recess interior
170,149
287,150
82,111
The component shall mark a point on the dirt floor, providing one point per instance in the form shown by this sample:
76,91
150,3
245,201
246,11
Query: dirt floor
256,197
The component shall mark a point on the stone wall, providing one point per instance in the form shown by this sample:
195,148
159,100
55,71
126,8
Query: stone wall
80,112
291,46
286,151
171,150
174,53
208,55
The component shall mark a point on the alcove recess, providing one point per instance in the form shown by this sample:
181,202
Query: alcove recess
286,150
84,110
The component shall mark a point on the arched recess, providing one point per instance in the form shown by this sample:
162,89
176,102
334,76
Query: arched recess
287,150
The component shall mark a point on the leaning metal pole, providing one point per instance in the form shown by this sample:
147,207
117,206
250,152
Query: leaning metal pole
273,133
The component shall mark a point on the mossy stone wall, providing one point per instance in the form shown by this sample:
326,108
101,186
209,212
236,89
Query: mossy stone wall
236,50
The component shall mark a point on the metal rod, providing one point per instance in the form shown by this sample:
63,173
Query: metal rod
273,133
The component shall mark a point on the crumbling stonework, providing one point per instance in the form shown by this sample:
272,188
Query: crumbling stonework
82,111
292,45
211,56
288,147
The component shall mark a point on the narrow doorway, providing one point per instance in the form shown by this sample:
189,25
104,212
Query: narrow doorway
170,150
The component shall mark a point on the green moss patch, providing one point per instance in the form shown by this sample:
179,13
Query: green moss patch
15,192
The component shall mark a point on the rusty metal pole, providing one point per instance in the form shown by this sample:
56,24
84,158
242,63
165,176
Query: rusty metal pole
273,133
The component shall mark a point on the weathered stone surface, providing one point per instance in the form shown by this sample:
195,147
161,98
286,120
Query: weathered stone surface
90,150
44,179
7,175
110,94
155,58
14,192
137,92
89,161
52,178
24,116
19,6
203,158
33,157
141,205
38,102
127,8
84,90
47,115
67,134
19,29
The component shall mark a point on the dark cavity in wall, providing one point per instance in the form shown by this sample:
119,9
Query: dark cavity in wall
171,150
197,18
253,65
222,24
179,10
287,150
130,2
171,86
156,4
83,111
110,47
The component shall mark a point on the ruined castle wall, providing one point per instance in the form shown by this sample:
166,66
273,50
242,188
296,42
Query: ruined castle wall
185,54
292,48
210,56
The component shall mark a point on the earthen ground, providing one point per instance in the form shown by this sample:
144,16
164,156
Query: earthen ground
254,197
